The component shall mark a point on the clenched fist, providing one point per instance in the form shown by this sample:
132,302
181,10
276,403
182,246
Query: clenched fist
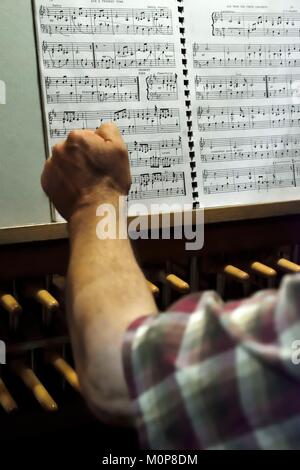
86,168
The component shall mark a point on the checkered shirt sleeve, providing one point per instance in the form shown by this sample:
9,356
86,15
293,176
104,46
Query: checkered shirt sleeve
215,375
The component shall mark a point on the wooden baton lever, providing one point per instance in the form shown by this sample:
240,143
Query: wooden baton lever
177,284
263,270
288,266
64,369
31,381
6,400
153,288
9,303
42,296
236,273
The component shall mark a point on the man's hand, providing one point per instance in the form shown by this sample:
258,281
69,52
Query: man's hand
106,289
86,168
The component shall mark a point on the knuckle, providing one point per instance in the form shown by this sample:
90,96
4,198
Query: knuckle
121,147
75,138
108,125
56,151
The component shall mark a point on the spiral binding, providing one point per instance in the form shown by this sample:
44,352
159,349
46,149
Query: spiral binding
187,93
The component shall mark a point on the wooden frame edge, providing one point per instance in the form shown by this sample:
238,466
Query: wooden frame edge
56,231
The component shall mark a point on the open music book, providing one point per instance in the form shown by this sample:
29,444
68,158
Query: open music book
206,93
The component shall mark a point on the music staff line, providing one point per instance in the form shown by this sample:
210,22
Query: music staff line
85,89
155,185
249,24
245,55
162,87
138,121
136,194
283,175
71,20
247,87
146,179
99,55
155,154
248,117
250,148
91,90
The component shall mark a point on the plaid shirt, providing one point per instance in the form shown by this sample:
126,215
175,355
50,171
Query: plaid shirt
214,375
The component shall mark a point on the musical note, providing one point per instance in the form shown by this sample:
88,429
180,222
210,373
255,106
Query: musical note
87,89
162,87
248,24
157,185
275,147
137,121
245,55
249,117
297,173
113,55
247,87
155,154
71,20
267,177
245,123
105,64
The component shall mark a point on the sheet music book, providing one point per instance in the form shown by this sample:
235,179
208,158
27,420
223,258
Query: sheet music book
205,93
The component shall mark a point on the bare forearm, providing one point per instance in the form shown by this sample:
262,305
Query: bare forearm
106,289
106,292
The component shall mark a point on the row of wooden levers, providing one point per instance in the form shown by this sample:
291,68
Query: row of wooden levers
33,322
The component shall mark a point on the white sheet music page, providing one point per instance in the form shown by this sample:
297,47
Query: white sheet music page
244,72
115,60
